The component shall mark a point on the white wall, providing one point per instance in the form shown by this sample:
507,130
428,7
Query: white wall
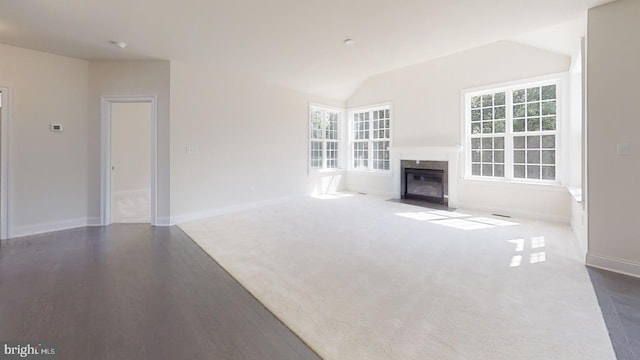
427,104
47,169
613,80
248,140
129,78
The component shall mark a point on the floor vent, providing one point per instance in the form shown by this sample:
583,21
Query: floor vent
501,215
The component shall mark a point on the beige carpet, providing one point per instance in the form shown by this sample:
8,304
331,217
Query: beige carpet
363,278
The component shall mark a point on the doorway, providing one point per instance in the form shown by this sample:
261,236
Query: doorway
4,162
129,141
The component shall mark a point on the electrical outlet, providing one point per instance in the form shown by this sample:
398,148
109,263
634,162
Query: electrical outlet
191,150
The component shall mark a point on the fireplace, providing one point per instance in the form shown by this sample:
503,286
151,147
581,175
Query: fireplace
424,184
425,181
444,158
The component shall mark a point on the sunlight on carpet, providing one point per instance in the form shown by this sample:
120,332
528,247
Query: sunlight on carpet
362,278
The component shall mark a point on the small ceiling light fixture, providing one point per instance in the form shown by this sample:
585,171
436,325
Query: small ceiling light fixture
349,42
119,44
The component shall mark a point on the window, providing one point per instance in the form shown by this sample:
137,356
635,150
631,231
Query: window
324,137
512,132
371,138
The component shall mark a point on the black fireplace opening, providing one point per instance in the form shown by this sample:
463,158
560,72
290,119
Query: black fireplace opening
424,184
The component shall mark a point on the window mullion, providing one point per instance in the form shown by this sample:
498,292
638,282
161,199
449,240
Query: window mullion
508,141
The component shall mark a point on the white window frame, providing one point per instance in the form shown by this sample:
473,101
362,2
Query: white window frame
339,141
370,140
560,132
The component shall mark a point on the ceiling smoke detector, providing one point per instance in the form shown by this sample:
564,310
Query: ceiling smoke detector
349,42
119,44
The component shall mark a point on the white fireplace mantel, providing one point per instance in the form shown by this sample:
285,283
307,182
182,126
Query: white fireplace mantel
451,154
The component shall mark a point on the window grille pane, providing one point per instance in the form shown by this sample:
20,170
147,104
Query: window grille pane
549,108
476,115
361,155
549,141
533,109
548,92
316,124
548,172
519,96
549,157
332,155
533,157
533,124
549,123
487,170
331,127
475,156
476,102
519,125
316,154
533,94
533,172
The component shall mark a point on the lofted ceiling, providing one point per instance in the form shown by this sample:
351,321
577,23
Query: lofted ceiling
295,43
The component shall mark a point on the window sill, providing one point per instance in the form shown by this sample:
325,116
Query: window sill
555,187
371,172
576,193
320,172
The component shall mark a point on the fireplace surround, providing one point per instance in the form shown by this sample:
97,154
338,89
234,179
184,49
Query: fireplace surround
444,158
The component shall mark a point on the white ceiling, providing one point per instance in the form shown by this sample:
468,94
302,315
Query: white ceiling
295,43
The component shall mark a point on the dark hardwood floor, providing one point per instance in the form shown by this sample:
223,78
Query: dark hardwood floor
619,299
133,292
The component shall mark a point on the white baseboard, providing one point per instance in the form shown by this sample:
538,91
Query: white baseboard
163,221
179,219
620,266
519,213
94,221
20,231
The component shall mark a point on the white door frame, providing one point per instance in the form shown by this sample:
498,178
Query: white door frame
106,185
4,161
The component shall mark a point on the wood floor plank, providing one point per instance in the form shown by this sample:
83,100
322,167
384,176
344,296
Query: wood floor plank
133,292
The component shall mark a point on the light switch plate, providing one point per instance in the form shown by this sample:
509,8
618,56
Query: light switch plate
623,149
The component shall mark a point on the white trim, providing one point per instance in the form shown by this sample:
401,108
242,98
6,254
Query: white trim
340,141
106,191
176,220
163,221
561,131
620,266
48,227
5,194
94,221
351,141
